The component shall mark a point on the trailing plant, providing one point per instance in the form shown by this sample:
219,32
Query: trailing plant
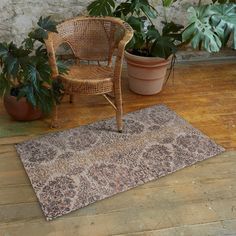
211,26
25,71
148,40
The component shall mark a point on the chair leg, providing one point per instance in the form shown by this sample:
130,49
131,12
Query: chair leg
119,111
54,122
71,98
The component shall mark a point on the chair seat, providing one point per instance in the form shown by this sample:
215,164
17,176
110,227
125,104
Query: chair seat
89,79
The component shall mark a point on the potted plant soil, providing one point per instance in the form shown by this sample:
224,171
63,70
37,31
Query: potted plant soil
26,85
150,52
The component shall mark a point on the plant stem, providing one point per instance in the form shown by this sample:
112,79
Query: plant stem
165,15
164,8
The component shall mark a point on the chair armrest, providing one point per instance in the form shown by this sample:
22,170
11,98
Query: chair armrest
51,55
121,48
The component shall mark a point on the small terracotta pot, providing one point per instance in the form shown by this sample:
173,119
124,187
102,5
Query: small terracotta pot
20,110
146,74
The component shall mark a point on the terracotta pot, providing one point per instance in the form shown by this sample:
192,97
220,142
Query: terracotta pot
146,74
20,109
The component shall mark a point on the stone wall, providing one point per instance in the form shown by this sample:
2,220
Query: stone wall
18,16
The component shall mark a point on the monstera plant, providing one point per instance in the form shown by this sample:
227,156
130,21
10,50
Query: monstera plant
211,26
150,51
25,75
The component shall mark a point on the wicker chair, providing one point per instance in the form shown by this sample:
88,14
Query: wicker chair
92,39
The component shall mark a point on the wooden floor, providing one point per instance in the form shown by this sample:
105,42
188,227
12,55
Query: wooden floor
199,200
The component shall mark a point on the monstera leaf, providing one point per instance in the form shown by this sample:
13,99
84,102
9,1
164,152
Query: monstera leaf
224,21
200,32
211,26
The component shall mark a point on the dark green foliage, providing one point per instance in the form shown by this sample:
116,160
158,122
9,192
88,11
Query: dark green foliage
147,41
25,71
210,26
101,7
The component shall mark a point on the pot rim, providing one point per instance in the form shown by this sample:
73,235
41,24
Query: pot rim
151,59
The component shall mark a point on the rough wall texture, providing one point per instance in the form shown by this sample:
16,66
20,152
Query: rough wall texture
18,16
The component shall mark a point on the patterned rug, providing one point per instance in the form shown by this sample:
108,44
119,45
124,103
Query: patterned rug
74,168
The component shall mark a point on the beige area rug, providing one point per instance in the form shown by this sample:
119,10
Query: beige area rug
74,168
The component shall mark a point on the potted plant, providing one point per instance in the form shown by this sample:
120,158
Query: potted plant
150,52
26,85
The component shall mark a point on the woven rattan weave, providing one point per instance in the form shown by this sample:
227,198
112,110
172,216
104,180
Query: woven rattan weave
92,39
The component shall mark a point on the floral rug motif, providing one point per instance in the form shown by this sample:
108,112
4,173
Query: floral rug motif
74,168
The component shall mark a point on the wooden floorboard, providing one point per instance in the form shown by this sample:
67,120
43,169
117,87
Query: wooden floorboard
198,200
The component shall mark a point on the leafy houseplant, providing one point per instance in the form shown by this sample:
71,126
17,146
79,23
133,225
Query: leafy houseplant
150,51
25,74
147,40
210,28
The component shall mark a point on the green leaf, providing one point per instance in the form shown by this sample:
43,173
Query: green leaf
200,32
139,6
3,50
43,71
31,96
149,11
163,47
11,64
224,21
29,43
172,30
31,75
47,24
123,9
167,3
39,34
41,52
152,33
101,8
5,84
136,23
171,27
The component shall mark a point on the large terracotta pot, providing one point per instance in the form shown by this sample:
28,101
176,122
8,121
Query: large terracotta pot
20,109
146,74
